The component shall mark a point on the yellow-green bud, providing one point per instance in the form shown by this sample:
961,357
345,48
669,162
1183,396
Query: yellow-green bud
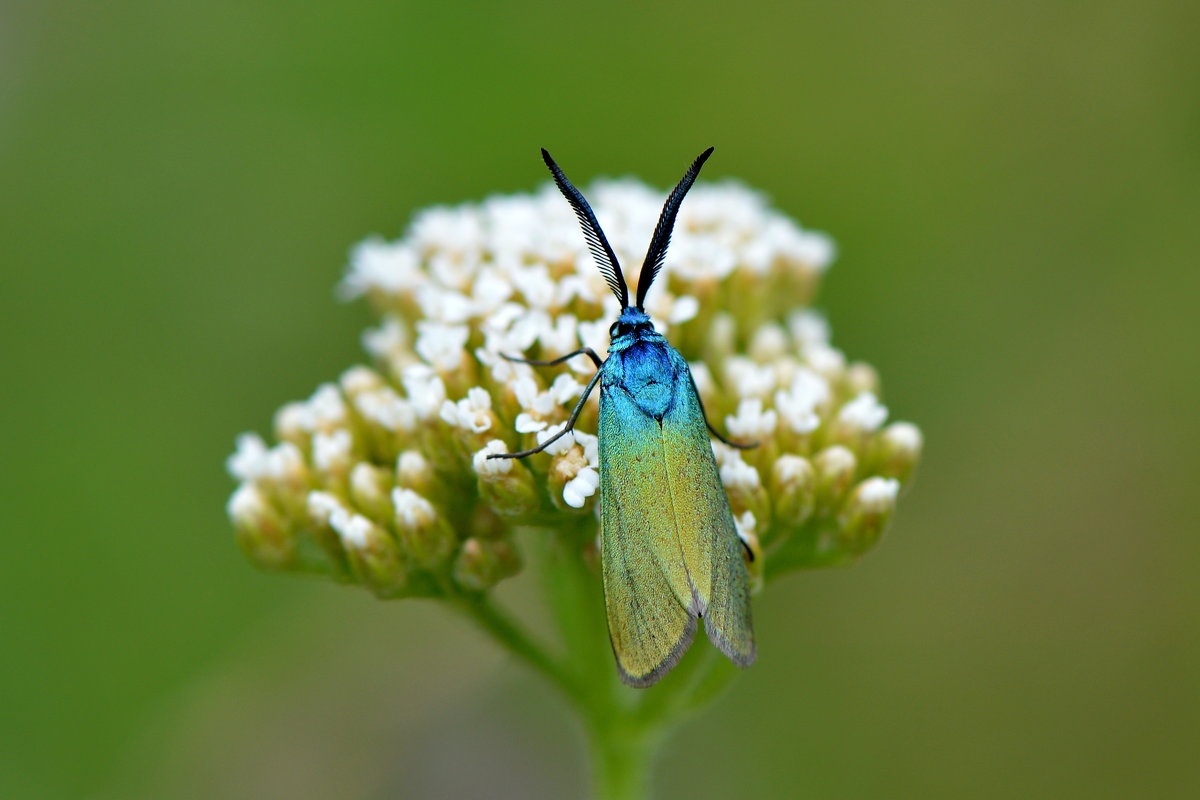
369,489
835,466
866,514
899,450
482,563
426,536
375,558
793,490
861,377
414,472
262,531
743,485
504,483
747,531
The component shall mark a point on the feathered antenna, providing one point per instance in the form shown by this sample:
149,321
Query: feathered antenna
606,260
662,232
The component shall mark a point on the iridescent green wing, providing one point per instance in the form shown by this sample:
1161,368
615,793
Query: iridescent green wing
711,547
647,593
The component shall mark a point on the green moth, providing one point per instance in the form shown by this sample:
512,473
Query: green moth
670,553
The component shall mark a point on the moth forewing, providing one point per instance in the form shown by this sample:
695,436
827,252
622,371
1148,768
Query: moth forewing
647,594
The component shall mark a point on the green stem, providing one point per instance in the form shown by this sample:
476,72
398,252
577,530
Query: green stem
515,640
621,759
625,727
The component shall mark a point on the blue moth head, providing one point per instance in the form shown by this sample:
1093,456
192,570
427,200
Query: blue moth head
632,322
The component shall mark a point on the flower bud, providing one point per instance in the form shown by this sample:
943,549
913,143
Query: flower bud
722,332
862,415
746,527
900,447
375,558
572,480
471,418
369,489
866,514
333,457
358,380
262,531
414,472
793,490
426,536
504,483
743,485
482,563
835,466
861,378
769,344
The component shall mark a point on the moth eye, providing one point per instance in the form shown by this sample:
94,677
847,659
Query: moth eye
613,330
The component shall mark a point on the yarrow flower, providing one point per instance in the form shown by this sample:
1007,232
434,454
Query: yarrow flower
388,477
382,477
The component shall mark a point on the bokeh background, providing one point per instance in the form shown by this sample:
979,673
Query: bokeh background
1015,189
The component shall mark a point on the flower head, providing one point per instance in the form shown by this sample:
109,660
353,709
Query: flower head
382,477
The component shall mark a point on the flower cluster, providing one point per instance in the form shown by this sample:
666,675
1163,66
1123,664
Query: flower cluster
382,477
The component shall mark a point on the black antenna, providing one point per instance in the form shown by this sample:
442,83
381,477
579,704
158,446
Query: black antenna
606,260
662,232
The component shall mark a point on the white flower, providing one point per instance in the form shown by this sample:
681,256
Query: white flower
904,436
331,451
581,487
324,508
798,404
411,466
748,379
359,379
751,421
386,408
326,407
249,461
390,267
412,510
561,445
736,474
591,446
746,525
827,360
808,327
472,413
445,305
247,505
492,466
354,531
388,343
425,390
441,345
876,494
769,344
864,412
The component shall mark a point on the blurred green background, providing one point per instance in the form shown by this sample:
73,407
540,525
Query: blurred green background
1015,189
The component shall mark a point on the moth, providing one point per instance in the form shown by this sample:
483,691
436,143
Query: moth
670,554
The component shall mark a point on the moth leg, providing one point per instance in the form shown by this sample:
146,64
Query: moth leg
587,351
738,445
569,426
714,431
746,547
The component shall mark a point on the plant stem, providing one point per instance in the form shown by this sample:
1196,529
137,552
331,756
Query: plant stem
624,726
509,634
621,759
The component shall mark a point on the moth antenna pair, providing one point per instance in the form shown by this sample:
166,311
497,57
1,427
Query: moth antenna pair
602,252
